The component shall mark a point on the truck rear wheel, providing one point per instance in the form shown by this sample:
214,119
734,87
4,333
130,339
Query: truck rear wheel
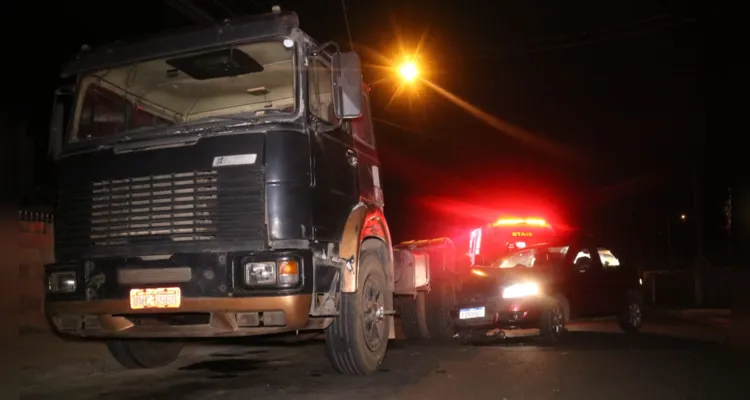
413,315
134,354
440,301
357,339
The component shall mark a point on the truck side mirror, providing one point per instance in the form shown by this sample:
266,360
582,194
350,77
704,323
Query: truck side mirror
347,80
57,123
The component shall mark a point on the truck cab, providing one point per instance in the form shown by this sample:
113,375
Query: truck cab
216,182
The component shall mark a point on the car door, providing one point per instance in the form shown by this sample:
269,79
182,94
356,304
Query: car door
584,279
615,279
334,161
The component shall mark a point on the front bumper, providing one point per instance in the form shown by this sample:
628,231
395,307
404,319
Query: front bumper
214,299
503,314
196,317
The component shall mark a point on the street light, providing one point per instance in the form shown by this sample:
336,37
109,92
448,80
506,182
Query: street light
683,217
408,71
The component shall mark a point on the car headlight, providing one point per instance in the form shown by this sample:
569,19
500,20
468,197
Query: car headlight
285,273
520,290
62,282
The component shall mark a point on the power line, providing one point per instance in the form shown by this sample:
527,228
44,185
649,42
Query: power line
189,10
224,8
346,19
541,42
617,32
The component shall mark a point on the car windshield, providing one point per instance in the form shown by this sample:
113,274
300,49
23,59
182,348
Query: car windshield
537,256
253,79
490,243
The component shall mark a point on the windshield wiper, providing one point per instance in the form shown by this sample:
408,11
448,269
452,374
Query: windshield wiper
189,127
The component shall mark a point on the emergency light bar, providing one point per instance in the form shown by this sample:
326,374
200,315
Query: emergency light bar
520,221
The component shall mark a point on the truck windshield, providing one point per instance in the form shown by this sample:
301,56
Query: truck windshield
253,79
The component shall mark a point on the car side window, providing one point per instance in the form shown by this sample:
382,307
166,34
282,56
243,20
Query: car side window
609,261
320,90
586,258
582,260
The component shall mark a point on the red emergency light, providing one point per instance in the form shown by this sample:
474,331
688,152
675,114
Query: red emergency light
521,221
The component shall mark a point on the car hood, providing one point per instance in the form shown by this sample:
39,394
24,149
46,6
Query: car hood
495,280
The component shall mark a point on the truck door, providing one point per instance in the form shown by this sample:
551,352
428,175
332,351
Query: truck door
368,164
334,161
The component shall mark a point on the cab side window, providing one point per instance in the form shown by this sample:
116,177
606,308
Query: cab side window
320,90
362,126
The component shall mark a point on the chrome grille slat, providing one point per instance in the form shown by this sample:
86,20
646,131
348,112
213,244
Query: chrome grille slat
144,207
161,211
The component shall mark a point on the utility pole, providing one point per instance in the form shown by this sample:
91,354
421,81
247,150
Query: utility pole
699,262
670,252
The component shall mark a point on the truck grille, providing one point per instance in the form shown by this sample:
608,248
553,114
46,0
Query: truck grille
168,209
180,206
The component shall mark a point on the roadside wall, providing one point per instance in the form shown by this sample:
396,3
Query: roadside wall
36,242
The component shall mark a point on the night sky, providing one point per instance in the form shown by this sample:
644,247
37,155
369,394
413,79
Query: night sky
617,89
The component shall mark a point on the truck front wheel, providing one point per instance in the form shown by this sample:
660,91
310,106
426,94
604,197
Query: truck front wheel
135,354
357,339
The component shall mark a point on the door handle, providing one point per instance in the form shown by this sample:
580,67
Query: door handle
351,157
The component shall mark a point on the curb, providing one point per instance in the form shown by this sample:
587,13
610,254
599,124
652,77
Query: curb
710,317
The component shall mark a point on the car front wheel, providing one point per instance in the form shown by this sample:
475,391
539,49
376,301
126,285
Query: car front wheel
552,324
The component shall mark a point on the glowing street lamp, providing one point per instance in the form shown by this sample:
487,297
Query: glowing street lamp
408,71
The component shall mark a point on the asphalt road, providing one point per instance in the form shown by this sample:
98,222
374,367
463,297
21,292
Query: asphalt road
669,360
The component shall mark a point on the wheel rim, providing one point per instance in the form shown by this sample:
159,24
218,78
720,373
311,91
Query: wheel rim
558,320
635,315
373,315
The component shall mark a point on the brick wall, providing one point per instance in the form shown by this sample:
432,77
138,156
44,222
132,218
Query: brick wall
36,244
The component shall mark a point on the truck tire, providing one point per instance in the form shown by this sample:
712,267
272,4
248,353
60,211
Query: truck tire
357,339
440,302
135,354
413,315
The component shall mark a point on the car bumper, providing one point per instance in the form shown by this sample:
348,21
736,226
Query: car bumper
503,314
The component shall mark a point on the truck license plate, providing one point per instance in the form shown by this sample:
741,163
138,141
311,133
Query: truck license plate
141,299
469,313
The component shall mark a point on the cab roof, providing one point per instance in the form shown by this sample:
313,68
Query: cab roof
258,27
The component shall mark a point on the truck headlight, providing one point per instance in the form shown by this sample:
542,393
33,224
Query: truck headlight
520,290
284,273
62,282
260,273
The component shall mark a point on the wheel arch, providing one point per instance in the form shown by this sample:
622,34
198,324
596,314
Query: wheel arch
365,229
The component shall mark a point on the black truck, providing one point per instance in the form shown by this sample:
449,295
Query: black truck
220,182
